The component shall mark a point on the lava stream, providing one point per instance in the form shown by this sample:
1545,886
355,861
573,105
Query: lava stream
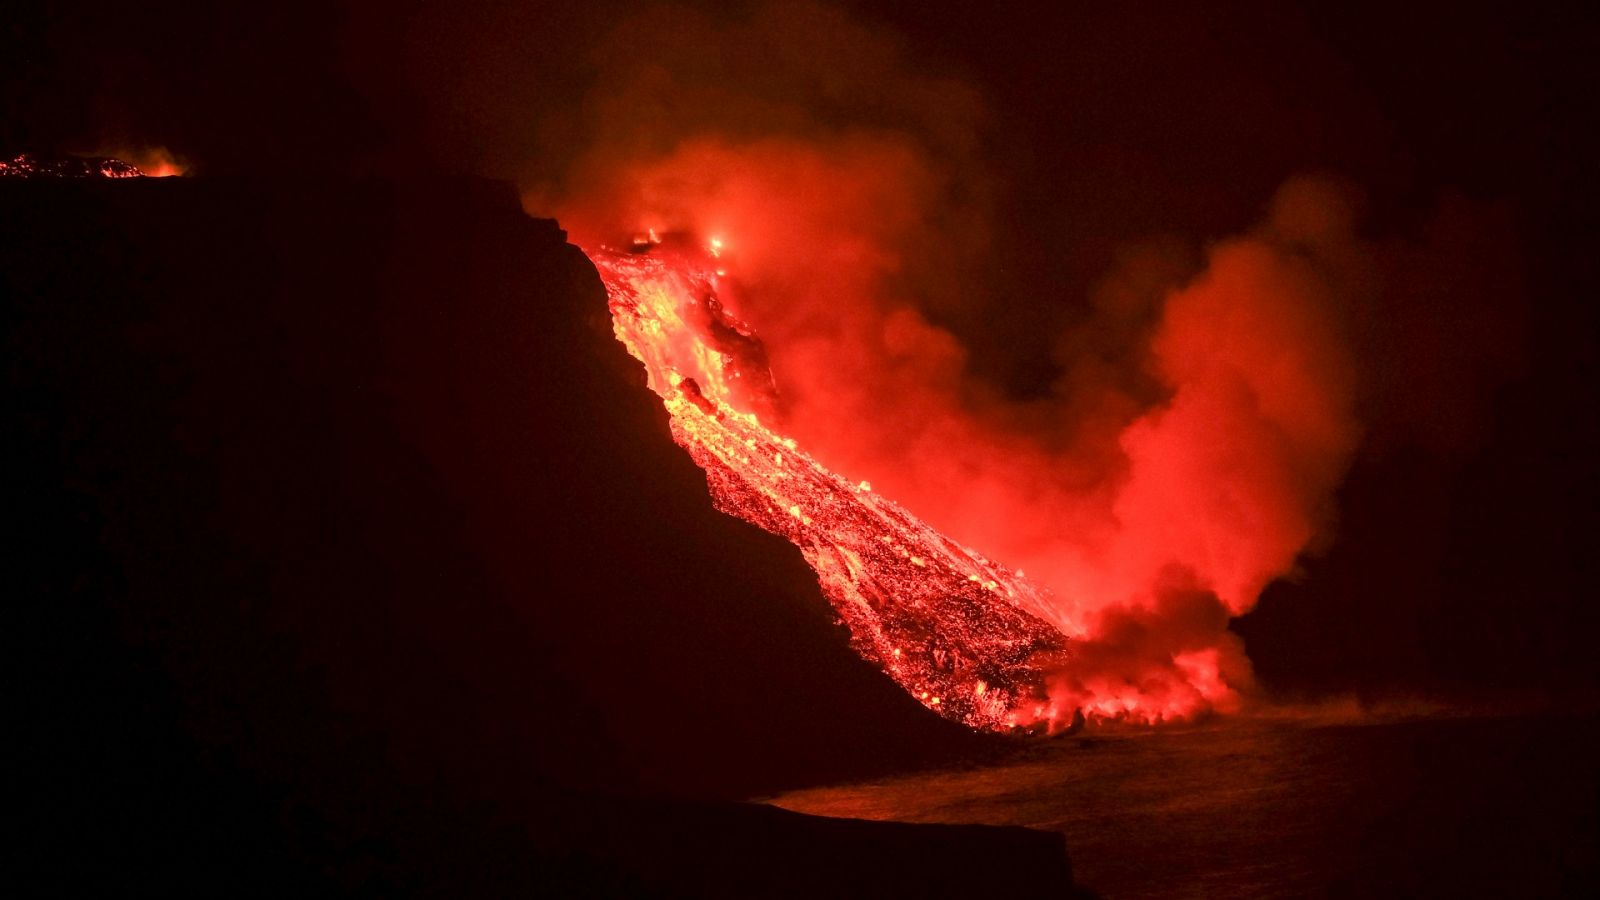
964,635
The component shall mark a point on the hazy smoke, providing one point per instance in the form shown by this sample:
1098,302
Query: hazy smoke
1204,416
154,162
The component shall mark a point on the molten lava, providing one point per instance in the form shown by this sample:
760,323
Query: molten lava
969,638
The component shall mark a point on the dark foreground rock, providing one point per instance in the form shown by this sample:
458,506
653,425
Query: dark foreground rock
344,539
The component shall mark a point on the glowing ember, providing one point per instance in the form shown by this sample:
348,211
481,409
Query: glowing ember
29,166
969,638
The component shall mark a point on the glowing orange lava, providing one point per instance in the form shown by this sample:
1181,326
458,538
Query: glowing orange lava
966,636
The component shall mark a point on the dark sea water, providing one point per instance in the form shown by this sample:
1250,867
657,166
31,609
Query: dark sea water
1438,807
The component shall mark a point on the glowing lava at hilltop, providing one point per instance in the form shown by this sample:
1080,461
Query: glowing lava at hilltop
966,636
30,166
147,164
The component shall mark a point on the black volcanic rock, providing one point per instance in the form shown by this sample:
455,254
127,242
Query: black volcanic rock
345,536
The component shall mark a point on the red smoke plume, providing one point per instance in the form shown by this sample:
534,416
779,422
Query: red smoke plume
1151,526
154,162
1153,514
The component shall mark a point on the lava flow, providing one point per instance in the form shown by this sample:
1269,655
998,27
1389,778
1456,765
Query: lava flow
966,636
146,164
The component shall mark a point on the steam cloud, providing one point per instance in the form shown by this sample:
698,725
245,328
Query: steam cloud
1191,448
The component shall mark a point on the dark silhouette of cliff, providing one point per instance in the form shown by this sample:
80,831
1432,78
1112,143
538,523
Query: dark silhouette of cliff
349,552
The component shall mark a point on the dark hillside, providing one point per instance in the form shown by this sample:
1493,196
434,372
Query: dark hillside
344,538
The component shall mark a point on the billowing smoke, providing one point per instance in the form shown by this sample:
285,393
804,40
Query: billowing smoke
1187,454
154,162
